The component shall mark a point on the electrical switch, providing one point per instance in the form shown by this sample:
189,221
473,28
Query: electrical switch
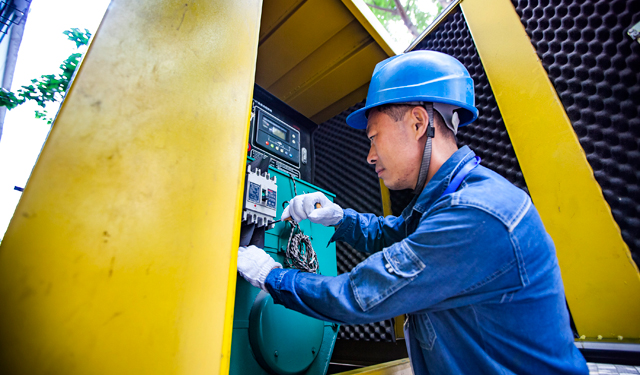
260,197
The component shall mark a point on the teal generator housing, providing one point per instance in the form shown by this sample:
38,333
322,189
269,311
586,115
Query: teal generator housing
268,338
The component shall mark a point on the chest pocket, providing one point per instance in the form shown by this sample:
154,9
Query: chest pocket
422,328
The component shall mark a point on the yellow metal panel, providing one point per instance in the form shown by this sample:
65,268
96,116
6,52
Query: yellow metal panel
275,13
345,102
398,367
320,92
385,195
398,321
121,256
601,280
315,22
342,46
304,42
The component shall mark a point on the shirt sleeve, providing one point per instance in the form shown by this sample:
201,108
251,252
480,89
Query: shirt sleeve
367,232
457,256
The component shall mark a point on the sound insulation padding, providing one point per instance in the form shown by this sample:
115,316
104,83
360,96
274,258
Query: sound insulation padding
595,69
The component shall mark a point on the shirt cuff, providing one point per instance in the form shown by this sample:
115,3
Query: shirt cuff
346,225
280,280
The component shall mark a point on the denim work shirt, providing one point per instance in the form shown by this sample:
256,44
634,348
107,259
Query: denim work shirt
475,271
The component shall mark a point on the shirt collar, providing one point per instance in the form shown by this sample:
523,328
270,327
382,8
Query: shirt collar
439,182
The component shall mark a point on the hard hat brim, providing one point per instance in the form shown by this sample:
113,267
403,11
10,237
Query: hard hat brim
468,114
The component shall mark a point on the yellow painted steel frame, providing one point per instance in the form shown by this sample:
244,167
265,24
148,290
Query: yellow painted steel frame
601,280
398,367
121,255
398,324
386,199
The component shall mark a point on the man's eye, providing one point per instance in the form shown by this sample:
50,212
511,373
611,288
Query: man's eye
371,138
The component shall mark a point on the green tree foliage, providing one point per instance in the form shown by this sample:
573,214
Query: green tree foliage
49,87
406,11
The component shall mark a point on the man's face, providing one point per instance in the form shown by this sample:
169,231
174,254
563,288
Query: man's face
395,150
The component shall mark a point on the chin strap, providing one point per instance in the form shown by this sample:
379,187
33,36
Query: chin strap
426,155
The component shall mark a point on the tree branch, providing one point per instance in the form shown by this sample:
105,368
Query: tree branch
392,11
405,18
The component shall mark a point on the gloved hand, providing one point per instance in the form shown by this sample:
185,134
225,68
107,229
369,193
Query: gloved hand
304,207
254,264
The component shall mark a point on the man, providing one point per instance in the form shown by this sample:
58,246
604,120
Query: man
468,260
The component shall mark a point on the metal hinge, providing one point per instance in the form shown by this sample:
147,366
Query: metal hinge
634,32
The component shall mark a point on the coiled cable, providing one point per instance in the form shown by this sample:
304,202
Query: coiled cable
300,253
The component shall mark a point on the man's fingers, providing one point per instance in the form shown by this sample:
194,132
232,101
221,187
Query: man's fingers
296,209
320,213
285,213
302,206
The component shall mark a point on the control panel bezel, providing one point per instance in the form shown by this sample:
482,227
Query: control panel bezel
288,149
266,106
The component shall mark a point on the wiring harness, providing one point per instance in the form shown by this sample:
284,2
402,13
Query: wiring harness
300,253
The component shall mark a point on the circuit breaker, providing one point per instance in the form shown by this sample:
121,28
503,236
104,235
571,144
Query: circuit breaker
260,197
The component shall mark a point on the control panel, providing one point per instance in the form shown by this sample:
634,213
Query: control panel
277,137
282,133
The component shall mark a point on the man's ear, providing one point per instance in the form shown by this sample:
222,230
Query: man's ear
420,121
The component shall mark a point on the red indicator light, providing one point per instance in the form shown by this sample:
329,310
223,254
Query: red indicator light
267,143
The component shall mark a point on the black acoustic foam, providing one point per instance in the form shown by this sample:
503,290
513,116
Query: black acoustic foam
595,69
341,167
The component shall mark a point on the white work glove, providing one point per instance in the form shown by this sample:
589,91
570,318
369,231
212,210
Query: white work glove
304,207
254,264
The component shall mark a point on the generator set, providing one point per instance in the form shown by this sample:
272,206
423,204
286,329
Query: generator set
268,338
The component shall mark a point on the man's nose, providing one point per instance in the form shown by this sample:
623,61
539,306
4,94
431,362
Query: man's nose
372,157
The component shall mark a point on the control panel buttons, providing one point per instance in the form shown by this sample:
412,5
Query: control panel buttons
278,138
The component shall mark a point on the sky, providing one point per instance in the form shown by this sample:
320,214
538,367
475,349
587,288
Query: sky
42,50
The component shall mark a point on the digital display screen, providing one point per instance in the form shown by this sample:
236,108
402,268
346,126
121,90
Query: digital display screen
277,131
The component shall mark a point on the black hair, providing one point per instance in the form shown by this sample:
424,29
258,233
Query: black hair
398,111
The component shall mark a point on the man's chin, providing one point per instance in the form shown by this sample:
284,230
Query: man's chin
391,185
395,185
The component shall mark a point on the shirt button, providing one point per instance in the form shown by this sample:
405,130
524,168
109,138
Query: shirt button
388,267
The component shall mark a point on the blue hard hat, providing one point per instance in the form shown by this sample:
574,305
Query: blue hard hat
419,76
